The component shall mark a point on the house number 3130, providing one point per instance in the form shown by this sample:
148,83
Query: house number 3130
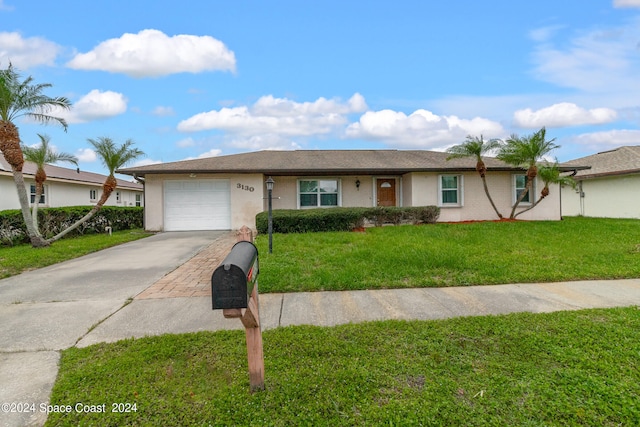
244,187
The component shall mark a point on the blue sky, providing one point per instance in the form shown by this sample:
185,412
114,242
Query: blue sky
205,78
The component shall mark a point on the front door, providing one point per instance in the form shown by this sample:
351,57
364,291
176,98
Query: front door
386,191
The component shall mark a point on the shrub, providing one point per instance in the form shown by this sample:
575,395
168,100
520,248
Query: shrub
54,220
342,219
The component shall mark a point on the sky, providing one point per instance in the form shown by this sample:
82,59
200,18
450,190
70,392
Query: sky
203,78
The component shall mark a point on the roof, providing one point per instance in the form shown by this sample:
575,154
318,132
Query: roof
620,161
65,174
322,162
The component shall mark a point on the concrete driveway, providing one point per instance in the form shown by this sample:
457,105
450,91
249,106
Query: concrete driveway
50,309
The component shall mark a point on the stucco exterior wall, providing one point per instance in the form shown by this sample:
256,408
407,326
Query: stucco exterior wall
248,196
63,193
247,192
612,197
475,205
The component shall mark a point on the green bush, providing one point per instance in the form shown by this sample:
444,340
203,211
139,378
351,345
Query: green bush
53,220
343,219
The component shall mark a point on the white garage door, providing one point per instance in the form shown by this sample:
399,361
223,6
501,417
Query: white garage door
202,204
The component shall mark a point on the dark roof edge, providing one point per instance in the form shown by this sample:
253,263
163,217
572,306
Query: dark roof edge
605,174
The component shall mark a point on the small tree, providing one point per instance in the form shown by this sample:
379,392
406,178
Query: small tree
476,147
549,174
20,98
526,152
112,157
42,155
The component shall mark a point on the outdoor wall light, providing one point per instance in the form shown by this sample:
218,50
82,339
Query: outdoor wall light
358,184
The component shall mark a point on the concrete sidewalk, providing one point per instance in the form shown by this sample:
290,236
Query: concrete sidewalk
161,284
154,316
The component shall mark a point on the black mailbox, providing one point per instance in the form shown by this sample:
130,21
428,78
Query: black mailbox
233,281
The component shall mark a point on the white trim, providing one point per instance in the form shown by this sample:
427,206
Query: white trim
319,178
514,191
374,190
459,189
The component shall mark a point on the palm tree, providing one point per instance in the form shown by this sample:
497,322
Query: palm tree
549,174
526,151
477,147
42,155
23,98
112,157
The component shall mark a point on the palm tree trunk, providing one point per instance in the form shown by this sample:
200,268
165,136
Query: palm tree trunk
36,205
532,172
530,207
106,192
486,190
34,235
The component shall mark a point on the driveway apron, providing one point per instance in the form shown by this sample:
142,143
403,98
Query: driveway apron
50,309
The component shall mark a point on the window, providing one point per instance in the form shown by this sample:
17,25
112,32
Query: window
318,193
33,194
450,192
93,195
118,198
138,199
519,184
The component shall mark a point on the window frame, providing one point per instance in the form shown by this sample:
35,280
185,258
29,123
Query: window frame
299,193
93,195
32,194
459,191
514,190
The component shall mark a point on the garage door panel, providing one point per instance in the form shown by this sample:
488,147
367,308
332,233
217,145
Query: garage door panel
197,205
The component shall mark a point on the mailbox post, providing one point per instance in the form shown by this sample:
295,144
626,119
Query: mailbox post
234,290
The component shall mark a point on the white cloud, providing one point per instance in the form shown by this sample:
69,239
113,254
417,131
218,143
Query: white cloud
626,3
163,111
420,129
151,53
186,142
214,152
606,140
264,142
600,60
26,52
86,155
95,105
4,6
543,34
563,114
146,162
272,122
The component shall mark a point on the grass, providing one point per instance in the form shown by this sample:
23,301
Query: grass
566,368
452,255
17,259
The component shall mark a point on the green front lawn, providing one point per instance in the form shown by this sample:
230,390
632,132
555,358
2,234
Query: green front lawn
452,255
568,368
17,259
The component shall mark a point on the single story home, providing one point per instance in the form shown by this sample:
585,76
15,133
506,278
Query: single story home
611,188
66,187
227,192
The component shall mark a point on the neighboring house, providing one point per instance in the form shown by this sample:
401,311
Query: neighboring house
611,188
66,187
227,192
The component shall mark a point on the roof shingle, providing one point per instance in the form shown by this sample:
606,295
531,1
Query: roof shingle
57,172
320,162
620,161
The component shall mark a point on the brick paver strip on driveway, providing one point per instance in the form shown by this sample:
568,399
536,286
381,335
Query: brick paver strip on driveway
193,278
